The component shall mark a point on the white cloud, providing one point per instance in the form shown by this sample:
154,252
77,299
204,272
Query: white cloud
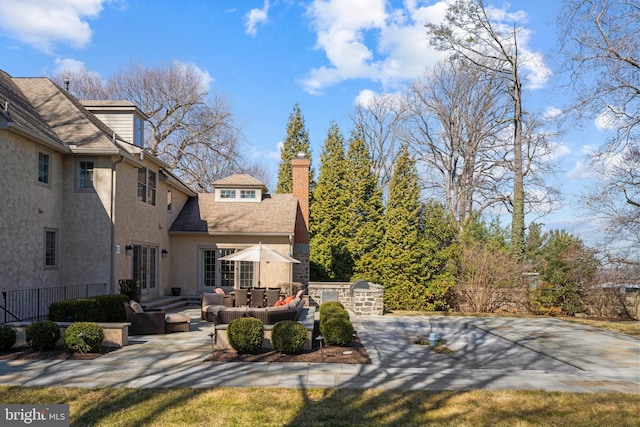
366,39
362,39
607,120
551,113
255,17
582,170
206,80
44,24
68,64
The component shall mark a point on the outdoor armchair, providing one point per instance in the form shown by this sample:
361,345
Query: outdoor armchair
145,322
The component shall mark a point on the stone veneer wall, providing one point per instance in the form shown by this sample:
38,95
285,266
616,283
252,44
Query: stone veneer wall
359,300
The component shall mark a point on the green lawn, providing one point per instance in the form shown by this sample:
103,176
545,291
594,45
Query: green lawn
331,407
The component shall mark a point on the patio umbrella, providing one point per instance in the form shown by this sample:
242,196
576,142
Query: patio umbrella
259,253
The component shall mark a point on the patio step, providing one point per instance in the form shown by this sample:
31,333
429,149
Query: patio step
170,303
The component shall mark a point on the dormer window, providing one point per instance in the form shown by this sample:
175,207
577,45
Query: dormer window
247,194
138,132
227,194
239,188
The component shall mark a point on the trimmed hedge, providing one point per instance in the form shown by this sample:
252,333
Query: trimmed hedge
330,305
335,326
246,335
288,336
7,338
102,308
83,337
337,331
333,312
41,336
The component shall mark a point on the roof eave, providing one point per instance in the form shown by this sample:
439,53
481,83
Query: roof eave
28,133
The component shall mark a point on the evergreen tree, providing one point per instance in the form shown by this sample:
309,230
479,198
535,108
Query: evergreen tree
401,260
330,259
297,141
418,244
362,222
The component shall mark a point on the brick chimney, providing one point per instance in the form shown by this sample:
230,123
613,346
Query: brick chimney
300,166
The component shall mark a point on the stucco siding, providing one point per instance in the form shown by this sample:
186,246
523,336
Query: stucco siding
185,263
27,208
140,223
86,247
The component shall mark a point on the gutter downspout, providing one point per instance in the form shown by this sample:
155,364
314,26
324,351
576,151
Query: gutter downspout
114,168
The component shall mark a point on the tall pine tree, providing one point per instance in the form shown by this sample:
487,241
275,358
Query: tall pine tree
330,259
401,258
417,246
363,217
297,141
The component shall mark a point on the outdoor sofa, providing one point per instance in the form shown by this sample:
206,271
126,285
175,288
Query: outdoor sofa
154,321
213,310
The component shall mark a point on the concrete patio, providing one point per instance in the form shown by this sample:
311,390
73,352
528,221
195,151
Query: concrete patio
487,353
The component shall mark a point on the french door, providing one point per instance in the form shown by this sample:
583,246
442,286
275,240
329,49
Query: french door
215,272
145,268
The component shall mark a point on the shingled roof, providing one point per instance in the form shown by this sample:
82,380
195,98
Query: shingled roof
240,180
275,214
70,121
19,112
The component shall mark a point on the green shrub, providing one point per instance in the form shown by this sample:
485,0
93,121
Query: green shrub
330,305
337,331
7,338
288,336
130,288
245,335
333,312
42,336
102,308
83,337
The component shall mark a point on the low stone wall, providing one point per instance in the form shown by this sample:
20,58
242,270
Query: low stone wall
362,298
115,334
307,318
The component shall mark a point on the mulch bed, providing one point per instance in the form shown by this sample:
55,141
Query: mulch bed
355,353
59,353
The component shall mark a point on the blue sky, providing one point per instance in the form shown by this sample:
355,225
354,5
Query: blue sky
264,56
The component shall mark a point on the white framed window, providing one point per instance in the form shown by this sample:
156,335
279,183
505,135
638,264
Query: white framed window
247,194
50,248
147,186
84,176
215,272
169,200
227,194
44,168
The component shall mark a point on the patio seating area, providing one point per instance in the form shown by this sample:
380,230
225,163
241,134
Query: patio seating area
154,321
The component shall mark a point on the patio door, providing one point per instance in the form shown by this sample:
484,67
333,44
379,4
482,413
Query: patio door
145,268
229,274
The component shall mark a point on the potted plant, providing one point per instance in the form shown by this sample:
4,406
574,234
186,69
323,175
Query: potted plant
131,288
176,290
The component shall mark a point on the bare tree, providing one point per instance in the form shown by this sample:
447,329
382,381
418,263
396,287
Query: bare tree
379,119
454,120
468,32
601,41
487,279
193,133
